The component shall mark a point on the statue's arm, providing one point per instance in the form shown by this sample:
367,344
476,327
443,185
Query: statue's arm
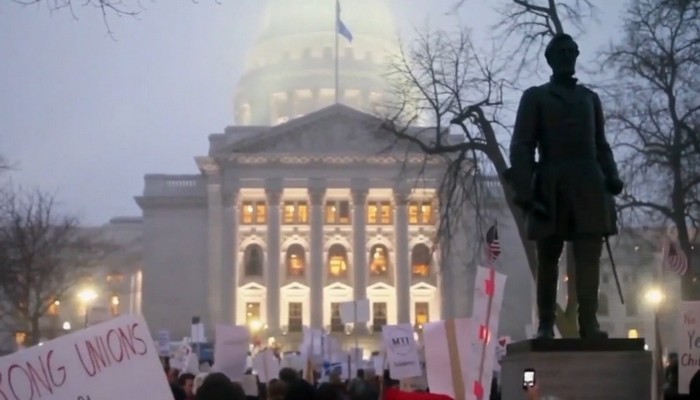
522,147
606,159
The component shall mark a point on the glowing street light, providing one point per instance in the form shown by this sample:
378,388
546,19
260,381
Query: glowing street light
255,325
654,296
87,296
66,326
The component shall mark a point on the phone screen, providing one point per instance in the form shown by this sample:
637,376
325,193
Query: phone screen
528,378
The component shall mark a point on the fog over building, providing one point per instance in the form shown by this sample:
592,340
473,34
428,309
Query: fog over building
304,203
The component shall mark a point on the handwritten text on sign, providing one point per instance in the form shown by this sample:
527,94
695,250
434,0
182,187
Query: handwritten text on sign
109,361
688,343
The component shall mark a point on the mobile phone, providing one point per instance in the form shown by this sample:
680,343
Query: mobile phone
528,378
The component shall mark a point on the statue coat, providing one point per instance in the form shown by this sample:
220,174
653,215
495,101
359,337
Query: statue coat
573,175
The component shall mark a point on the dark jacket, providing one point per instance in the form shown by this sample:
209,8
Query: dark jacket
571,181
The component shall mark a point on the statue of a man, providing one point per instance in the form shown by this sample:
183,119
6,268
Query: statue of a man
567,194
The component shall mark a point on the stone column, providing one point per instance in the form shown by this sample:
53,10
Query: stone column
273,189
360,188
403,277
317,192
215,218
229,281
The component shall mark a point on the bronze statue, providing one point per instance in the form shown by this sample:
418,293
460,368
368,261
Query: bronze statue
567,194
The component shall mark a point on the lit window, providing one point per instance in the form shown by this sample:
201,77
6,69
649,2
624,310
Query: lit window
420,213
54,308
20,338
253,260
253,212
252,314
420,260
295,321
115,278
337,261
296,212
632,334
422,311
296,260
378,316
338,212
379,213
379,260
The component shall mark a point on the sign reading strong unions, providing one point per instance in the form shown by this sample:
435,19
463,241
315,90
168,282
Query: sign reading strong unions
110,361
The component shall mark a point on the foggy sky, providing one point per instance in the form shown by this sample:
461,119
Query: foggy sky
85,116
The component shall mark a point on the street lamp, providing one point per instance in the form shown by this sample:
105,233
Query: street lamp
87,296
654,296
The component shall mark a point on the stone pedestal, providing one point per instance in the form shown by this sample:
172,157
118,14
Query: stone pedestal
570,369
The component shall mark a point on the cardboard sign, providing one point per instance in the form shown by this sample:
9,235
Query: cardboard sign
266,365
446,350
688,344
113,361
164,343
401,351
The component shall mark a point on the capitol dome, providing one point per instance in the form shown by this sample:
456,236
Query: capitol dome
291,68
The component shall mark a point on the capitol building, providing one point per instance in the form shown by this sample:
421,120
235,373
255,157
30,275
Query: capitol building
305,203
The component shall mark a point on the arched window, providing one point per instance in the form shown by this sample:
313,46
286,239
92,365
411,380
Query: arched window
253,260
378,260
296,260
420,260
337,261
603,309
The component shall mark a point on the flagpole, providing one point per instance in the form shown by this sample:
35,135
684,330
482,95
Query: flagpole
337,46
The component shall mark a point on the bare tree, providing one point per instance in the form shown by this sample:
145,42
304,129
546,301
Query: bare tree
445,77
42,256
107,8
658,61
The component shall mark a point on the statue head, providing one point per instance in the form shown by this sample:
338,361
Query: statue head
561,54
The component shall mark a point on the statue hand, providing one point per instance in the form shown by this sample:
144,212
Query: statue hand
615,186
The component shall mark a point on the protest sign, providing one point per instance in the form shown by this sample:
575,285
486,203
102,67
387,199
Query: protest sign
112,361
266,365
231,351
401,351
688,344
355,312
446,356
164,343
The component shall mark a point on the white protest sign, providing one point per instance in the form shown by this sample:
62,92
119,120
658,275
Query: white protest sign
501,348
111,361
401,351
355,312
688,344
164,343
250,385
266,365
231,351
446,350
489,288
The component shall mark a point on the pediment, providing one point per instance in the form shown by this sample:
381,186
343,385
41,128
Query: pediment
334,130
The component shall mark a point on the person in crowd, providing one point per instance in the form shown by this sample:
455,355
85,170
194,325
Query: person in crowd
198,380
276,390
172,374
671,376
217,386
358,386
178,392
297,388
186,382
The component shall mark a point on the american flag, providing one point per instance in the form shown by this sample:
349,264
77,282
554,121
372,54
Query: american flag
493,245
675,259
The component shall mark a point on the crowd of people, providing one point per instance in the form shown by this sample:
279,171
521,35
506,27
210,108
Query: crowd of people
366,385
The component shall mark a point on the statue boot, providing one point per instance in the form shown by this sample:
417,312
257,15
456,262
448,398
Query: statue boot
547,276
587,285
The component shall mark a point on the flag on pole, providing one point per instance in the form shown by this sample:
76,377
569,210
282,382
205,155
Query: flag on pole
493,245
342,28
674,259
